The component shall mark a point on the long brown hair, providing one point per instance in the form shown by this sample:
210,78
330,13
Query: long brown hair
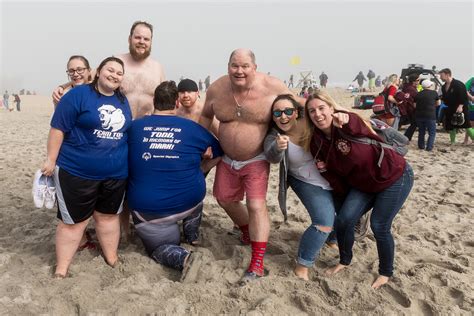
309,126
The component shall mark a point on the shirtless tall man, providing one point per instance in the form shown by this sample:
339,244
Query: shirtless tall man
241,101
142,73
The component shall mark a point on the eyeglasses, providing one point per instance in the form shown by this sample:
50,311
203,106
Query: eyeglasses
287,111
79,71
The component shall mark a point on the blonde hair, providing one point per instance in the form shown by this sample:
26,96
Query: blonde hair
309,126
392,79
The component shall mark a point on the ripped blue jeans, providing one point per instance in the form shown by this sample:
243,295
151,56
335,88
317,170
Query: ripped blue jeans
320,205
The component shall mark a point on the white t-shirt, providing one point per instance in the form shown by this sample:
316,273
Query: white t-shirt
301,166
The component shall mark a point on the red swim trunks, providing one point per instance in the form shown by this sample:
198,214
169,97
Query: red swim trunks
231,184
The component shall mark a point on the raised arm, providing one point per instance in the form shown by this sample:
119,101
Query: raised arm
59,91
274,151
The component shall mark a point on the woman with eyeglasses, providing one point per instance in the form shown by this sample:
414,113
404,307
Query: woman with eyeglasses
283,145
78,72
87,154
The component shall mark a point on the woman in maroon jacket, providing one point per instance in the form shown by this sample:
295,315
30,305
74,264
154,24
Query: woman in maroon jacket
352,169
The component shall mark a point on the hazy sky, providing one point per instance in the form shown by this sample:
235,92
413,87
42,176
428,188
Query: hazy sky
194,38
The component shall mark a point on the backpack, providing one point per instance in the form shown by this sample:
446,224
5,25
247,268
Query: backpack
392,139
378,107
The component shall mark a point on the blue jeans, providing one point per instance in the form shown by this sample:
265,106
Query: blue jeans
320,206
386,205
423,125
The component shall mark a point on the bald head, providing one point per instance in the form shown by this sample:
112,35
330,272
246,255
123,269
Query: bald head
245,52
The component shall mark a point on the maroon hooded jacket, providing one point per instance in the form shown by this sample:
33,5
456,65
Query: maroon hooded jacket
354,165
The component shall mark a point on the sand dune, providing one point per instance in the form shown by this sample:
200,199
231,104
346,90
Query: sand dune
433,233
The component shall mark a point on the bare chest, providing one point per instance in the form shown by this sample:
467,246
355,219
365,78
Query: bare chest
140,82
251,110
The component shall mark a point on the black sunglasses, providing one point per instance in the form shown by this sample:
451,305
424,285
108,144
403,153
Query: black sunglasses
287,111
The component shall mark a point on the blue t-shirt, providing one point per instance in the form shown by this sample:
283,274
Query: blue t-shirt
164,164
95,134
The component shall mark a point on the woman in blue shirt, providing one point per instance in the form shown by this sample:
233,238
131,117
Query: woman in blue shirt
87,156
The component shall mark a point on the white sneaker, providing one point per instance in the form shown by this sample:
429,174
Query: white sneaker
39,189
50,193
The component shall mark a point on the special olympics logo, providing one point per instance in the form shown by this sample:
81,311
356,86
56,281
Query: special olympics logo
146,156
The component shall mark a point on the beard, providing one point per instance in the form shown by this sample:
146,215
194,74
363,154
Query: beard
136,55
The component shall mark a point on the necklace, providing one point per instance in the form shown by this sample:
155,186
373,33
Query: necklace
238,105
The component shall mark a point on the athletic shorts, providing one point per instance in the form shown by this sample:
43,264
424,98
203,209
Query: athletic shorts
78,198
230,184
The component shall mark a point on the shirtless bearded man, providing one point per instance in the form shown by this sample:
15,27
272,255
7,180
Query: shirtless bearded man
142,73
241,101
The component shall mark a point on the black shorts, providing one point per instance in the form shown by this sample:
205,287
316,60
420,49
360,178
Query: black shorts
78,198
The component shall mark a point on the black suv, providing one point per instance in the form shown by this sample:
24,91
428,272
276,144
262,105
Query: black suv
423,73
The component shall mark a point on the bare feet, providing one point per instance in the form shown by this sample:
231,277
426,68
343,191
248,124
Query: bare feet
332,245
335,269
381,280
301,272
59,276
114,262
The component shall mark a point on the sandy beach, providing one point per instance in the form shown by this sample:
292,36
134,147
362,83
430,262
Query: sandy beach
434,260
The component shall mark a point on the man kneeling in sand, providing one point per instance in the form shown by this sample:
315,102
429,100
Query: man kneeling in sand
241,101
166,183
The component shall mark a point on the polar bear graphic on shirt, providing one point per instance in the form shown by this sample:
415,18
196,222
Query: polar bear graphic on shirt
111,117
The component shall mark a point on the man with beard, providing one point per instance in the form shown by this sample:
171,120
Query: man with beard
190,105
241,101
142,73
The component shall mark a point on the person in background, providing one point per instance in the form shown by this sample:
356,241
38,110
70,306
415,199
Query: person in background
371,77
360,80
470,95
456,99
392,115
378,82
17,101
87,156
407,107
6,97
323,80
426,102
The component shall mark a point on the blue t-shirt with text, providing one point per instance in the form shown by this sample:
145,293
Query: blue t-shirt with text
164,164
95,134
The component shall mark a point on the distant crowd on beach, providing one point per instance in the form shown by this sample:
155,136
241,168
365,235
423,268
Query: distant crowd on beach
126,144
405,102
